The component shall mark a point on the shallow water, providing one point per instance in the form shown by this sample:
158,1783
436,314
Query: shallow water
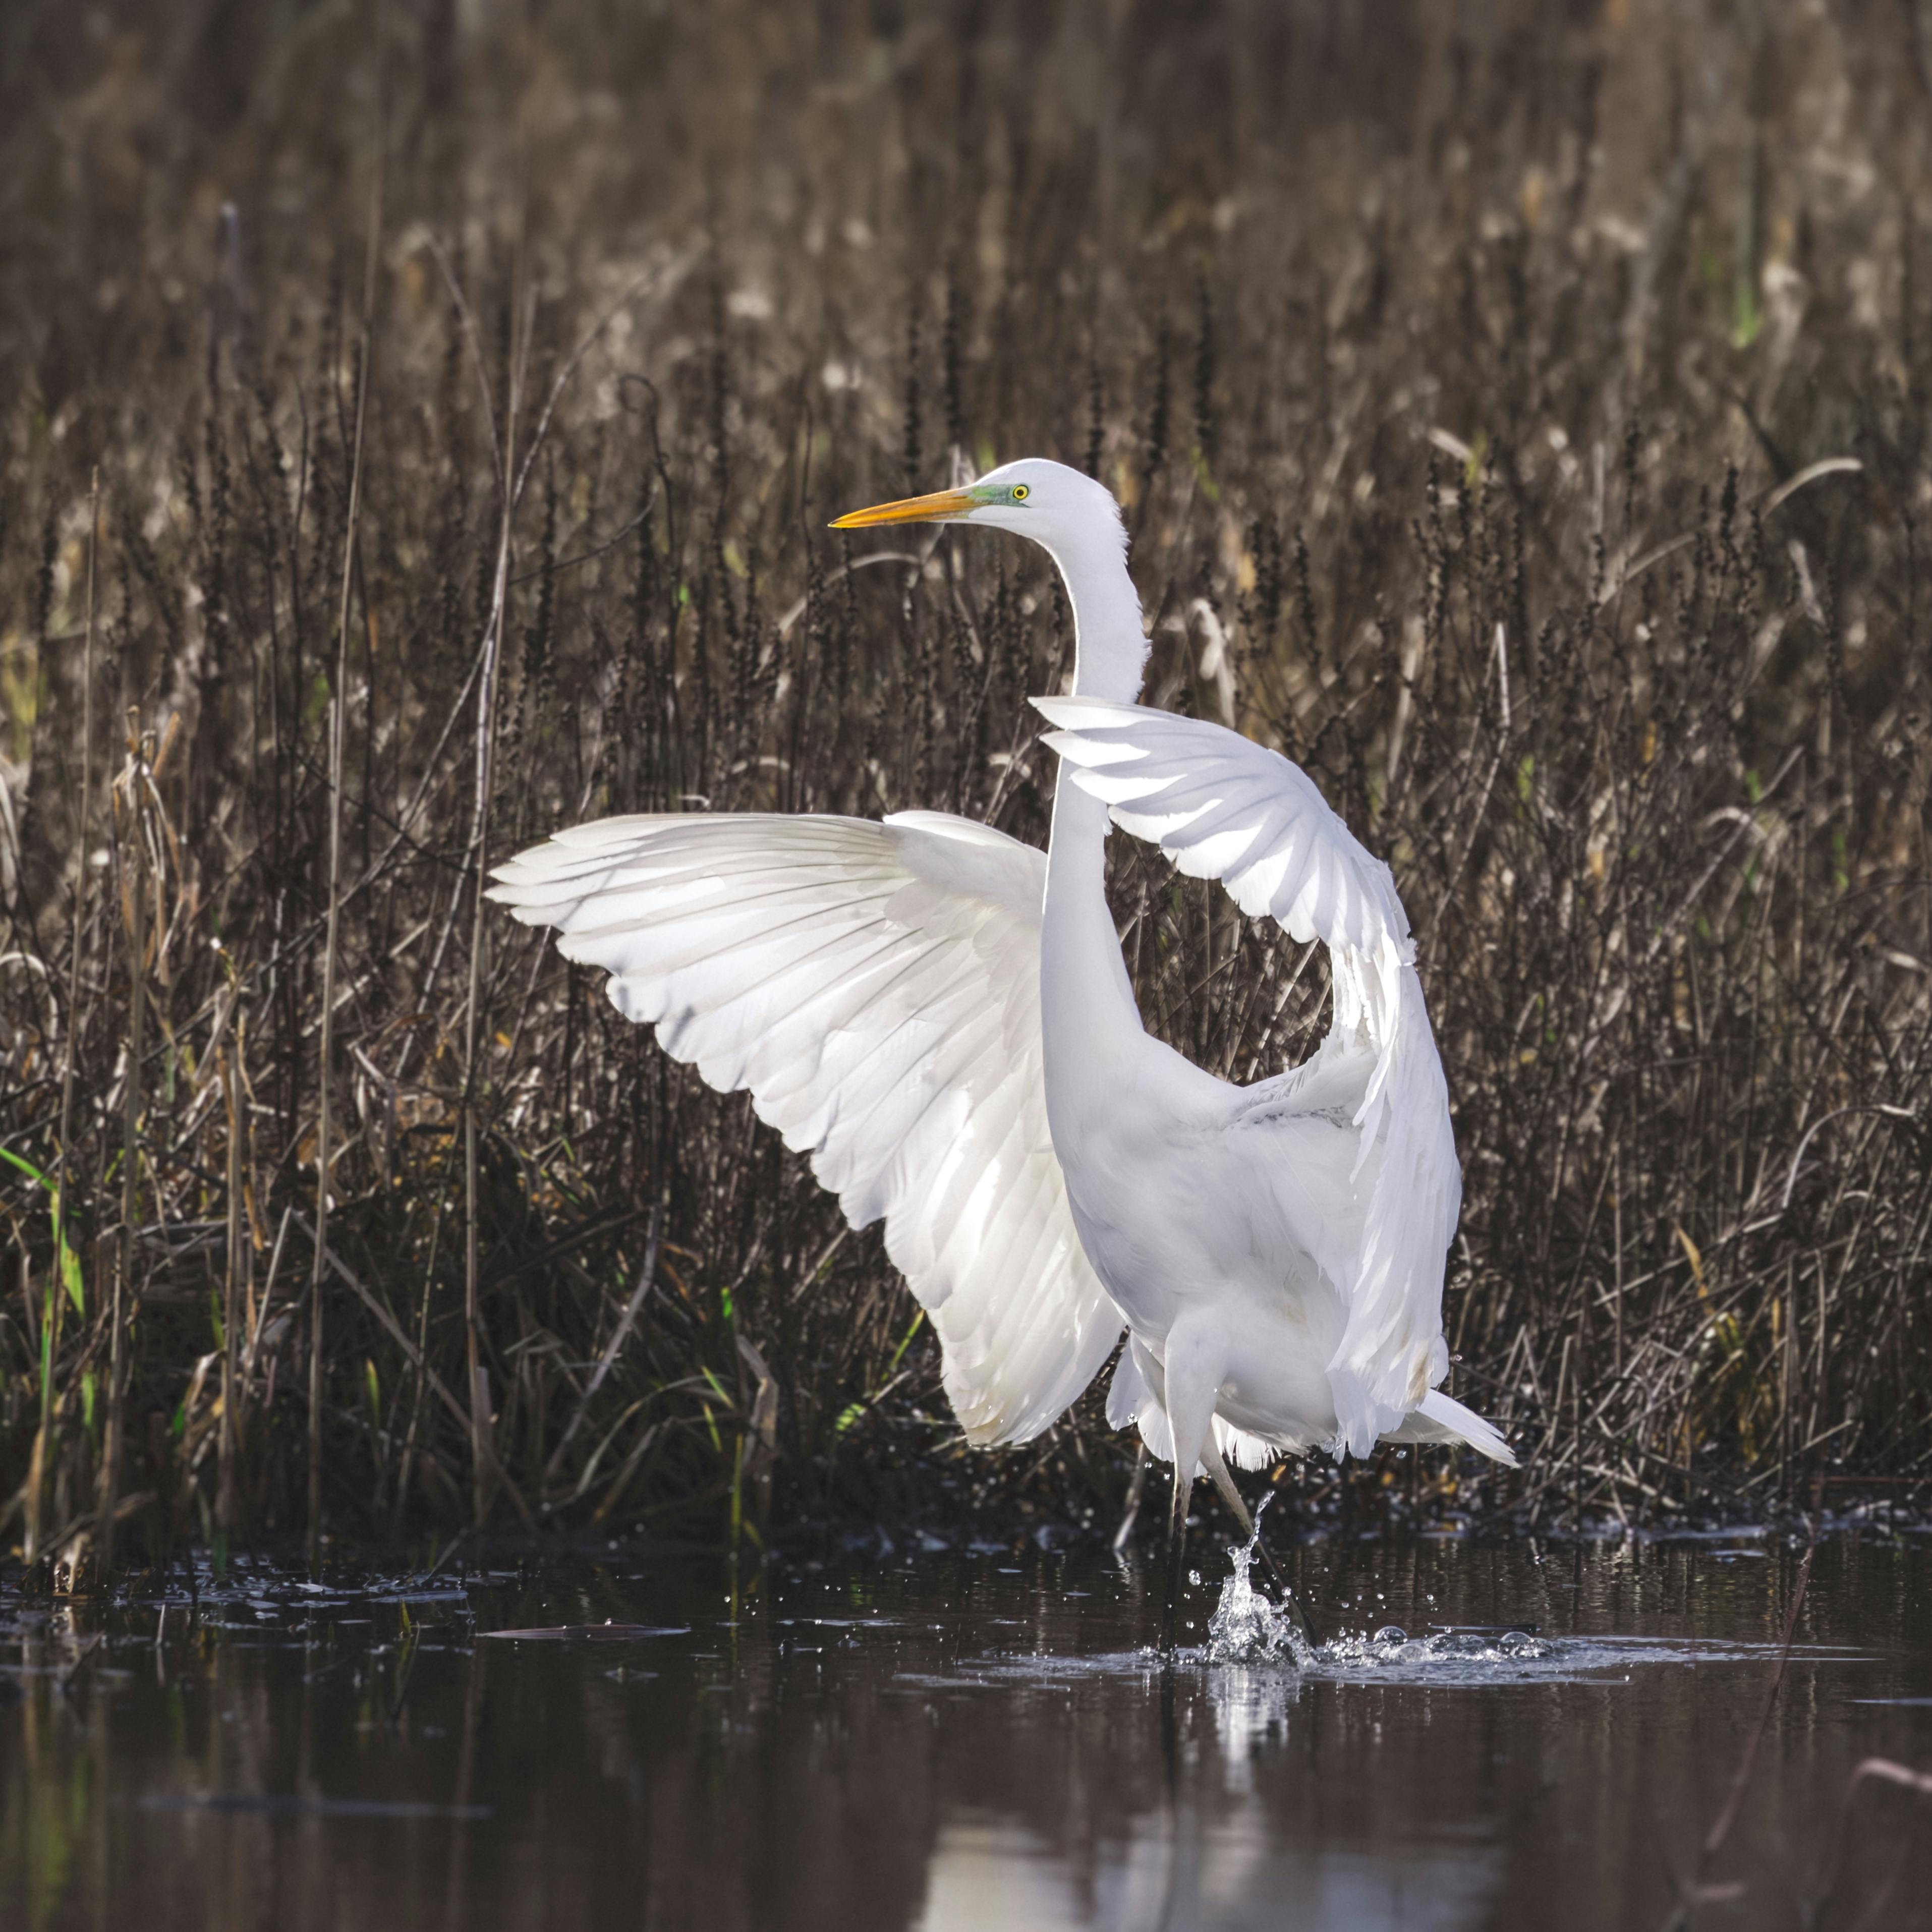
972,1740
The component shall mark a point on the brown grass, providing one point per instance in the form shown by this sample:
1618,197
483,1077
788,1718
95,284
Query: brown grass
1466,397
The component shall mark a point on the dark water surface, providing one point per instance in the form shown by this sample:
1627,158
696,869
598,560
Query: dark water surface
949,1740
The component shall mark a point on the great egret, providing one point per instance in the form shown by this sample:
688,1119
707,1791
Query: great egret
940,1017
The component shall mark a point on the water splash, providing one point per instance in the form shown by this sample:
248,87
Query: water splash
1390,1646
1247,1628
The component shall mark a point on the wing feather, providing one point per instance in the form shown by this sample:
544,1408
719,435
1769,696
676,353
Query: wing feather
876,987
1222,807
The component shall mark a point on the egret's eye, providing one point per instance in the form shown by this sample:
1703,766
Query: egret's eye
1021,493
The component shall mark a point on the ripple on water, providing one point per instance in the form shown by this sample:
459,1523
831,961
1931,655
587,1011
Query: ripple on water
1254,1641
1257,1632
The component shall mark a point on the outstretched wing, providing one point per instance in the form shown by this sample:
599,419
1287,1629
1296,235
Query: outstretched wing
877,987
1223,808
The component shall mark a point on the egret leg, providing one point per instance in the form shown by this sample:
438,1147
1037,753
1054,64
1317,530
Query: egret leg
1134,1494
1216,1465
1177,1556
1224,1481
1192,1376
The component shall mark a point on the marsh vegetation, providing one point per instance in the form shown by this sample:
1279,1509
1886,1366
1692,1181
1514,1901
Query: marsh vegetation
1529,428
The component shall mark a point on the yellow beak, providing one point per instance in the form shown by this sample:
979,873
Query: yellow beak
935,509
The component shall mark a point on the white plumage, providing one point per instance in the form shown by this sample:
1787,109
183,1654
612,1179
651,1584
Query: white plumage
941,1017
1223,808
877,989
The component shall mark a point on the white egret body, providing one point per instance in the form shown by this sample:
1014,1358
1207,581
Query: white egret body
941,1017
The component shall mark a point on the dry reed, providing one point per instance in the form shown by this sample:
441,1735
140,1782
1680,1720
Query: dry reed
1530,433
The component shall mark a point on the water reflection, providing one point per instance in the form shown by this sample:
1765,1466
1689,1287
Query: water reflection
964,1740
1251,1704
1173,1873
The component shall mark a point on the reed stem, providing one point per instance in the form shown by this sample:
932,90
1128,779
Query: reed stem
337,729
135,886
53,1303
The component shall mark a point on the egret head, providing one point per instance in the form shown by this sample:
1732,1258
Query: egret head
1077,522
1055,506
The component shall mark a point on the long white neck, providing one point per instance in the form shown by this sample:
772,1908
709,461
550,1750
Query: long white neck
1088,1008
1110,650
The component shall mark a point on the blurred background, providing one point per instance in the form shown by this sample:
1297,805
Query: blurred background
1521,413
